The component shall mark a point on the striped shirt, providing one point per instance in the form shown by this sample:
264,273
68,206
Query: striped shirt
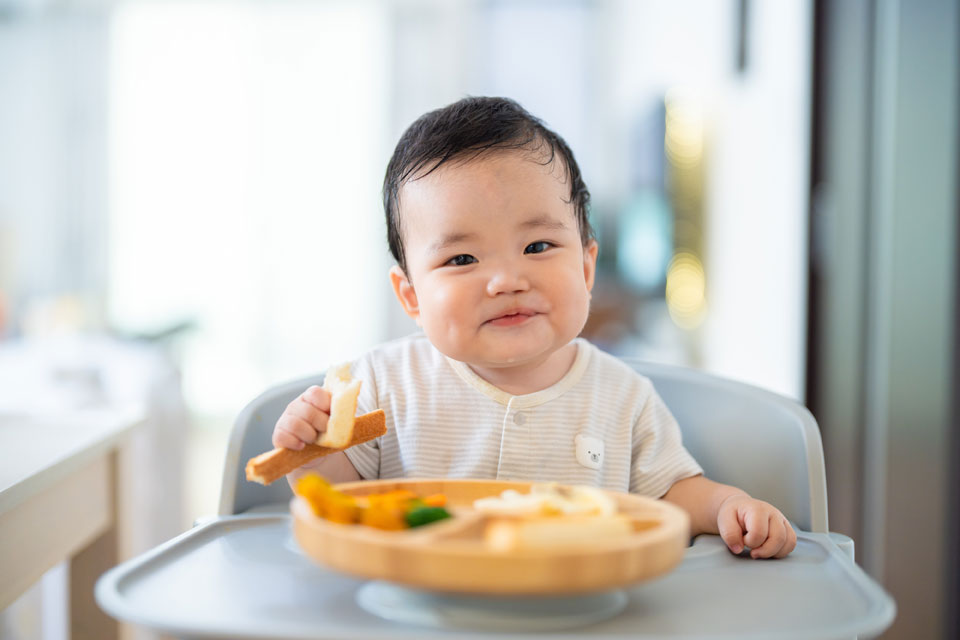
602,424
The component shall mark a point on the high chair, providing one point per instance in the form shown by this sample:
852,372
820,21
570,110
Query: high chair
242,574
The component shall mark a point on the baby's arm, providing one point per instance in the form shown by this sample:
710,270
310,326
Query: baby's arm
335,467
740,520
302,422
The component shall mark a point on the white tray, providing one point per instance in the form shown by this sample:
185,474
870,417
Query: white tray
244,577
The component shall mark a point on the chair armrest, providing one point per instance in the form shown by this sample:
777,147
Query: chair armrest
202,520
844,542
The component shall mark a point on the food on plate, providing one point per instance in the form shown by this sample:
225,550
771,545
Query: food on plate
551,517
474,552
392,510
553,532
549,499
343,390
268,467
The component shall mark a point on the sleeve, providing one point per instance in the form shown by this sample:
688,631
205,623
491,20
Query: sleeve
659,458
365,457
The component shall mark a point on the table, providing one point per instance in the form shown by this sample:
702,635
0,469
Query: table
58,501
243,576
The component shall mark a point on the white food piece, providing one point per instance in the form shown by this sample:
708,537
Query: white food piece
343,407
549,500
548,533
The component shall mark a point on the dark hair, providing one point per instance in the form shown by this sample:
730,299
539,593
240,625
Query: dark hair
470,127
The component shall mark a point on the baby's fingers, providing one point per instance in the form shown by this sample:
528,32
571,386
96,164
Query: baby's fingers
304,409
757,524
728,525
776,538
302,419
292,432
317,397
791,542
283,439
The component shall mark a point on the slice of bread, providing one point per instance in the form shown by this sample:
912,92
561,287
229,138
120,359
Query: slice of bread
269,466
343,407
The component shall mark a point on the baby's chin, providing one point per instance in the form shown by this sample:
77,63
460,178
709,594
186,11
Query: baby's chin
529,357
499,360
504,349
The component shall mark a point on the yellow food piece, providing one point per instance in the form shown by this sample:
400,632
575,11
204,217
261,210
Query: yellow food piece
326,501
314,489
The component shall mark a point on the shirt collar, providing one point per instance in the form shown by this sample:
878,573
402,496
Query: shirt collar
536,398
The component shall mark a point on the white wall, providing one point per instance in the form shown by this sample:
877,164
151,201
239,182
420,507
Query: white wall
757,223
245,168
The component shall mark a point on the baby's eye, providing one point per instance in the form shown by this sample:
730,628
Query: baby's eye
461,260
537,247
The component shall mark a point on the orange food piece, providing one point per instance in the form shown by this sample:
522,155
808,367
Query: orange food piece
384,514
341,508
397,495
435,500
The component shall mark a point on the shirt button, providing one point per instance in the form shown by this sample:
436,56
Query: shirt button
519,418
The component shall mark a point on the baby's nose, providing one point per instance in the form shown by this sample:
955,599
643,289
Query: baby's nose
506,281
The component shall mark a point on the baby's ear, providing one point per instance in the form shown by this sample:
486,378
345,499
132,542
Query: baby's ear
590,263
403,289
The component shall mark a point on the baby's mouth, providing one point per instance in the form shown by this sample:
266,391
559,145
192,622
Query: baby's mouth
512,318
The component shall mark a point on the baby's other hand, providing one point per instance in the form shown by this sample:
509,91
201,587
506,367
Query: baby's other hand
746,522
303,420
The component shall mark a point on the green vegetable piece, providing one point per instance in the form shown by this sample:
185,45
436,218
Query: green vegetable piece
425,515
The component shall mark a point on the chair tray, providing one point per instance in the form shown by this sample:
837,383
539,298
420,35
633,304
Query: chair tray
245,577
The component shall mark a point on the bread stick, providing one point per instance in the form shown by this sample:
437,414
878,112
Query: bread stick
267,467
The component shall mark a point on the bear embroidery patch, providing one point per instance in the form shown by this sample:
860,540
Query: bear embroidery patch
589,450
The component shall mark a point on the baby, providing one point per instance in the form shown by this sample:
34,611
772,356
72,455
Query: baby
487,220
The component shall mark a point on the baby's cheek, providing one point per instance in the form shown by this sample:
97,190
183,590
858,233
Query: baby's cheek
448,304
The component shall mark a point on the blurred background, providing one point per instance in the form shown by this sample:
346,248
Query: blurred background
190,196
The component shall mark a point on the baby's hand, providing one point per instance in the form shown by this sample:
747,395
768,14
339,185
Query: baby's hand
746,522
303,420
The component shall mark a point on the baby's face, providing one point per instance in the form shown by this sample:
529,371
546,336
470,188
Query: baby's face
497,275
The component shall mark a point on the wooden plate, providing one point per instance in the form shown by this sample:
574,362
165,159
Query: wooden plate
451,555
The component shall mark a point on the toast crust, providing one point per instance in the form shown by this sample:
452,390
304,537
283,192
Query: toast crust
268,467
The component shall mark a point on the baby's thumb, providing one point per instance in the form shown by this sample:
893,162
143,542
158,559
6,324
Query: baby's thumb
730,530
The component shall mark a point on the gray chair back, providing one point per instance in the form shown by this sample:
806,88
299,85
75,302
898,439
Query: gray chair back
766,444
251,436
